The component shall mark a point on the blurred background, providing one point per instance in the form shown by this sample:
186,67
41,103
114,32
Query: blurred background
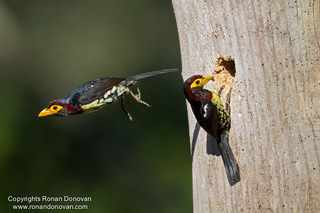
47,49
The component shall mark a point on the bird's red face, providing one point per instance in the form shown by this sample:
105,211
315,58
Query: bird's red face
57,109
193,85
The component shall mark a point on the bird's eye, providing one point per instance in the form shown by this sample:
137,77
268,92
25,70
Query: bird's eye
197,82
55,108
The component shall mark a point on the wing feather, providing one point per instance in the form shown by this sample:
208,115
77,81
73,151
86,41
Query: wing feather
93,90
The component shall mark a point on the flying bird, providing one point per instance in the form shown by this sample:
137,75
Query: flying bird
98,93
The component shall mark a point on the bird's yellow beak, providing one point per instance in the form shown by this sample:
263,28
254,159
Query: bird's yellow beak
46,112
206,79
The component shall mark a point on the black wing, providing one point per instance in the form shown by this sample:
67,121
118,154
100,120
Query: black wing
210,119
93,90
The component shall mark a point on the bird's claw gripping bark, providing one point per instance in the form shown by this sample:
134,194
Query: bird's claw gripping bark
227,103
228,108
221,88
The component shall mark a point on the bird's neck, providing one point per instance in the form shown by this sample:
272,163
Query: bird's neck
199,95
71,106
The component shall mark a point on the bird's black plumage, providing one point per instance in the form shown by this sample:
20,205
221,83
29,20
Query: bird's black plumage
94,89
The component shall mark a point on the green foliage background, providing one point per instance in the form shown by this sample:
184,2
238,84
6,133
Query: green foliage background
47,49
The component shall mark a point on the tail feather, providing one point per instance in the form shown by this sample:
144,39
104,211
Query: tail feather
230,163
152,73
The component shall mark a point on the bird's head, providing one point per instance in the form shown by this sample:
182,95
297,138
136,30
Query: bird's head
194,85
57,108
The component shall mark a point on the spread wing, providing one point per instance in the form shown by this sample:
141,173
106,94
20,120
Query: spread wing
94,89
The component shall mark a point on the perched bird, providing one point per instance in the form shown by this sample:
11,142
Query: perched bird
213,118
98,93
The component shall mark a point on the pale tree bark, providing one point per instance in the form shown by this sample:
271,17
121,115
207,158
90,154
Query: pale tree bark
275,102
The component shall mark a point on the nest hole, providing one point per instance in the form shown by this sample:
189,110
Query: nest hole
224,75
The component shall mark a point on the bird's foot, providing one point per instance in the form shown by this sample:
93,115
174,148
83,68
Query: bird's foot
137,97
124,108
221,88
228,107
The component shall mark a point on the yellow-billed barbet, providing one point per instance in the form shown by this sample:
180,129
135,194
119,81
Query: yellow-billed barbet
98,93
213,118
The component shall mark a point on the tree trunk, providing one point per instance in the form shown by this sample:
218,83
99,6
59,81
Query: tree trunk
275,99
